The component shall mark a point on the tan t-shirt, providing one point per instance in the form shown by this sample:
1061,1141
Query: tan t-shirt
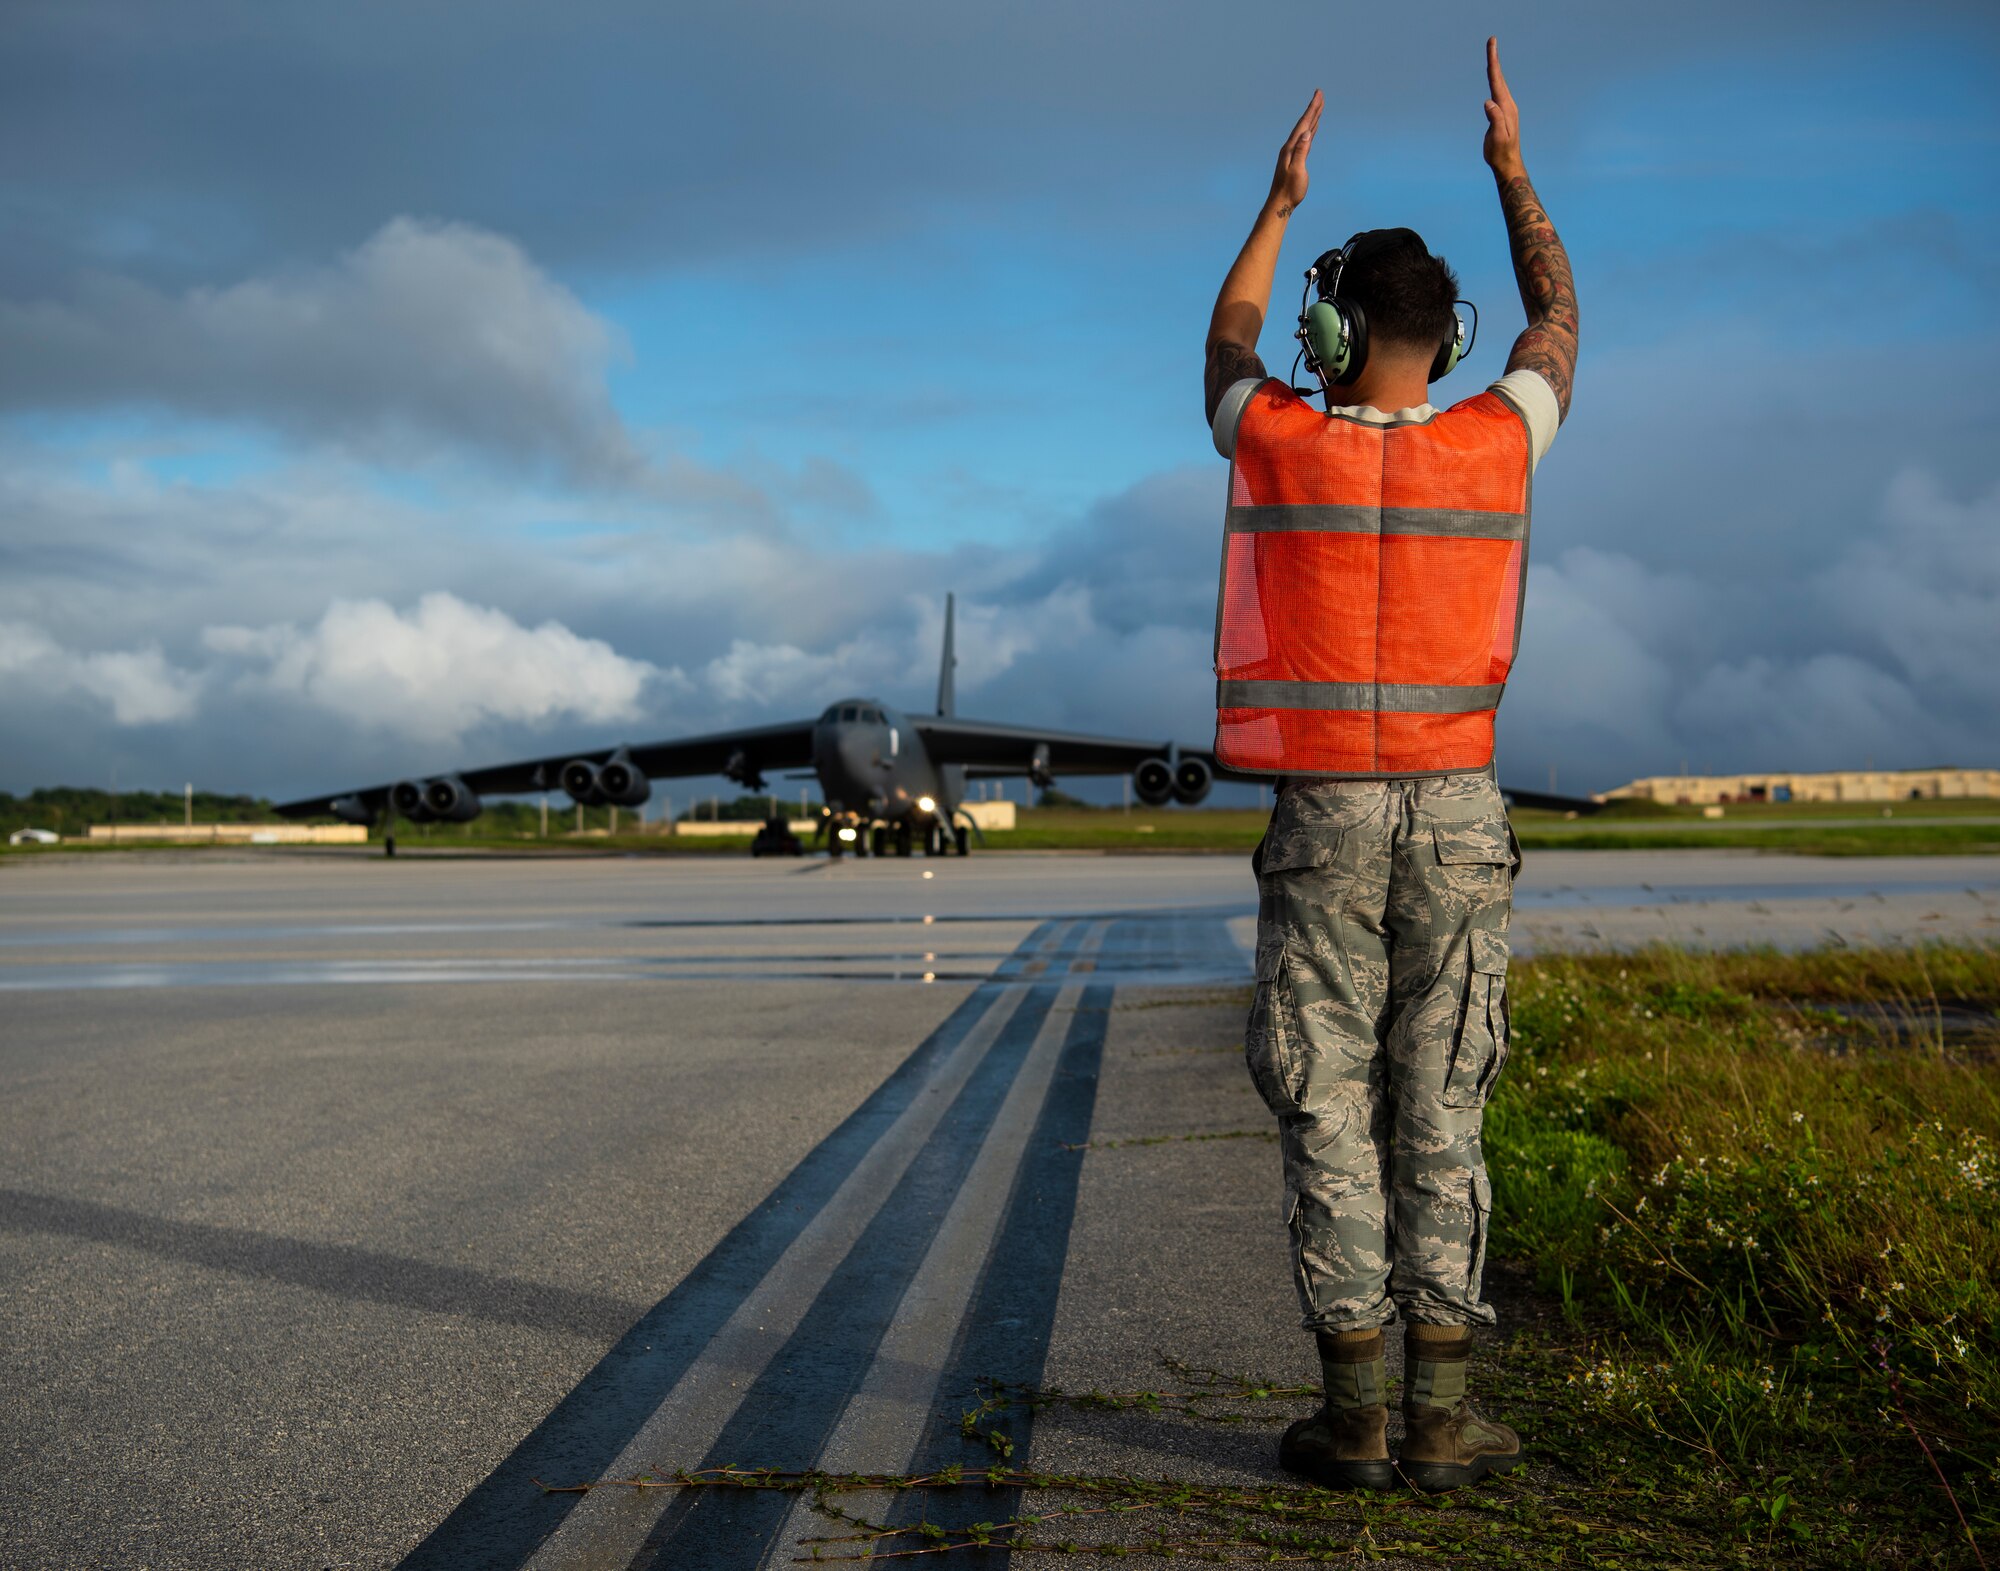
1524,390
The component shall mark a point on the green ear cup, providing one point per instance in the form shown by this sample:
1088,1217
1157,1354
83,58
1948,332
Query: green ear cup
1449,352
1326,333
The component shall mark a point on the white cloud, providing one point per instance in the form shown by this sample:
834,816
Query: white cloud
427,336
1928,587
1595,644
348,672
438,670
139,686
1826,711
1889,651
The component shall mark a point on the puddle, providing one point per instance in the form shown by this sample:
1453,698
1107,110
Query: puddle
1533,897
1155,950
92,978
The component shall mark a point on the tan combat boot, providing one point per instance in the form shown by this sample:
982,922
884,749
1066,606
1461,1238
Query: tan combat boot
1345,1445
1445,1443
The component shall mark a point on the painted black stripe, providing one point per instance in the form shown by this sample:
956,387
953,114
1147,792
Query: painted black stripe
505,1519
787,1416
1007,1331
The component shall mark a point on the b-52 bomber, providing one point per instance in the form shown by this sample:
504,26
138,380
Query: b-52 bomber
890,781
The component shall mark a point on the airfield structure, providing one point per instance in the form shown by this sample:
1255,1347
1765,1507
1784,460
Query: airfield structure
1837,785
225,834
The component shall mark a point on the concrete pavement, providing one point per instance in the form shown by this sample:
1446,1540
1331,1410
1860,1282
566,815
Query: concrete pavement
339,1199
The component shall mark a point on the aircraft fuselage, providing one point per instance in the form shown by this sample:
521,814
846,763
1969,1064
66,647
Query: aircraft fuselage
872,764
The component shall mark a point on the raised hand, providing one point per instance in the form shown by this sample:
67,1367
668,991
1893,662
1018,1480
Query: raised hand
1541,265
1503,117
1288,184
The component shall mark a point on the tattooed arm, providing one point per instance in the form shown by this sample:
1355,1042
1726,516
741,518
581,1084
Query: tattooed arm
1541,266
1246,293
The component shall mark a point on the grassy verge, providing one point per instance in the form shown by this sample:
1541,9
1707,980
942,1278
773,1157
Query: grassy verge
1814,829
1765,1189
1899,837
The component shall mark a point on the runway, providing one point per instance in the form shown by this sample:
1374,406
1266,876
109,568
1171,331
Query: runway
341,1200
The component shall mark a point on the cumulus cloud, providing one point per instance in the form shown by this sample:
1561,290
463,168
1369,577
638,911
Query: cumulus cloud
139,686
436,671
426,336
1890,651
1927,588
1885,649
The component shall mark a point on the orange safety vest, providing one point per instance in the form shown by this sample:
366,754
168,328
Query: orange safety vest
1371,588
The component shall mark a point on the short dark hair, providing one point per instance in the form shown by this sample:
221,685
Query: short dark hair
1406,293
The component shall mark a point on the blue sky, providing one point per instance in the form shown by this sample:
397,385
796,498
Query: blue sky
378,396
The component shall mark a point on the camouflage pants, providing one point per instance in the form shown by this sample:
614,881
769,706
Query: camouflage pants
1377,1033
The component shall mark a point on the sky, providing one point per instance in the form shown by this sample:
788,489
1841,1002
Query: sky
386,389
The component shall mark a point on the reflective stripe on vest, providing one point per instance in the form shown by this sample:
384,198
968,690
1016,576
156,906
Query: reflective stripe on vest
1371,588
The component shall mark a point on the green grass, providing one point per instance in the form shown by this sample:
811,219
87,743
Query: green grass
1774,1226
1900,837
1755,812
1142,829
1818,829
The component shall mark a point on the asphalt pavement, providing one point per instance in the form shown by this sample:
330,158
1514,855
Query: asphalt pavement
341,1199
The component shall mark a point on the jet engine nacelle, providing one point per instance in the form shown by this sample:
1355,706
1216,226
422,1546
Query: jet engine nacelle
744,772
1192,778
351,810
451,799
1153,782
622,783
579,779
1039,771
407,797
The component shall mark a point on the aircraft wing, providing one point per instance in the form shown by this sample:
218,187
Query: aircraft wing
990,751
762,749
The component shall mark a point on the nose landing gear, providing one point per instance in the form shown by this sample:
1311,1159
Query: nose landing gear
855,837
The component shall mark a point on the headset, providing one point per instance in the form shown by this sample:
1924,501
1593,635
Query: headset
1333,330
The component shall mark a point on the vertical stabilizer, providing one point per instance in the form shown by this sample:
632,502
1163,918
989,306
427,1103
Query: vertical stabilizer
947,688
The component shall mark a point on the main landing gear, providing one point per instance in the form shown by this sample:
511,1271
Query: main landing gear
946,840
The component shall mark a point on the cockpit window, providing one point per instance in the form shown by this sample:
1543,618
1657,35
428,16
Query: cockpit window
850,713
872,716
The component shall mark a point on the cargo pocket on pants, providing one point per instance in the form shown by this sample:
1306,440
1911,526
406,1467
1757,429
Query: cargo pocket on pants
1480,1050
1482,1215
1271,1044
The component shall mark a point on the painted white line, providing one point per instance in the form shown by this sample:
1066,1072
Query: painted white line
607,1527
885,1419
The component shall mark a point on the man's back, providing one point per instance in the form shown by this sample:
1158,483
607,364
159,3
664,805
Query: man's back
1367,619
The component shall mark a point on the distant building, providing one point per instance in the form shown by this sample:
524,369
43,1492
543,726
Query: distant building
230,834
1834,785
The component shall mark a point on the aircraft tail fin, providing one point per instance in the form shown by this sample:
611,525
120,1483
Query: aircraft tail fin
947,688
